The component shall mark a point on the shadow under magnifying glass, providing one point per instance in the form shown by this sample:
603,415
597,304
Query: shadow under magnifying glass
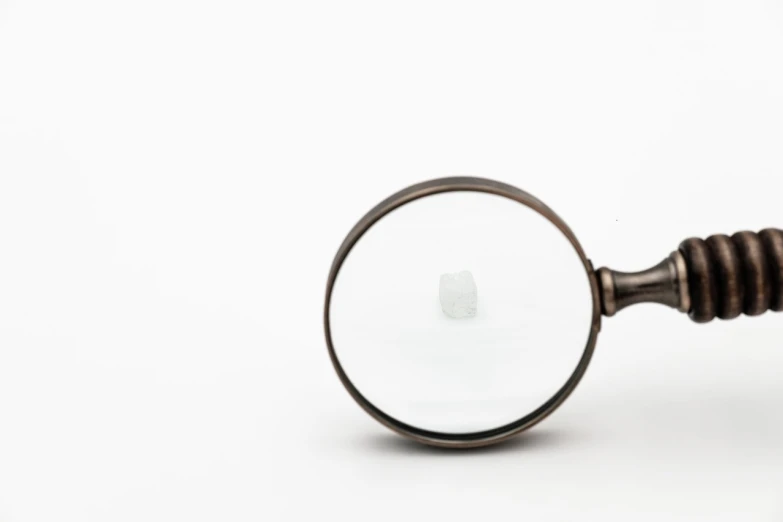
536,440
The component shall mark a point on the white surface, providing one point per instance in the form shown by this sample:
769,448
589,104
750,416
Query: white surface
458,295
436,373
175,178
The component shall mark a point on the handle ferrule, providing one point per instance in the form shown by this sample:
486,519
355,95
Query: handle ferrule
666,283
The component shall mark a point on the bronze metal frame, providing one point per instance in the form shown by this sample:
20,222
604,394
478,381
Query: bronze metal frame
455,184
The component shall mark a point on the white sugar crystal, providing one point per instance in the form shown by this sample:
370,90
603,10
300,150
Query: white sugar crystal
458,296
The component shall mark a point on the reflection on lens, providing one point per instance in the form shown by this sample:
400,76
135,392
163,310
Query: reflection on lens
460,312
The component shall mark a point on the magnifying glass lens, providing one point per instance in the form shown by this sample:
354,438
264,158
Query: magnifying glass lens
460,312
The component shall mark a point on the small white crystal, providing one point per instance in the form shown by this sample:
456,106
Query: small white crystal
458,296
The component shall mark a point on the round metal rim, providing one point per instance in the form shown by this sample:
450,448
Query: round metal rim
469,184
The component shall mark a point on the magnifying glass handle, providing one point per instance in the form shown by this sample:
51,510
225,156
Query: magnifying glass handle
722,276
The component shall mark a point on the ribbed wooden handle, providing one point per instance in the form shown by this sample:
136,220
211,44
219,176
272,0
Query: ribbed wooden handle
729,276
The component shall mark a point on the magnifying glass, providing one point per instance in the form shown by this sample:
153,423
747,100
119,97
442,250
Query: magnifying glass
463,311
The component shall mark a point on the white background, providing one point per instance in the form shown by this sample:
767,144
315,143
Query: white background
175,178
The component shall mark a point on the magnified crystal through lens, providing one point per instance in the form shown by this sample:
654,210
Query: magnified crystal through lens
458,294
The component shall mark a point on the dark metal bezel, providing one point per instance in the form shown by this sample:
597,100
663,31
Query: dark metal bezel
469,184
